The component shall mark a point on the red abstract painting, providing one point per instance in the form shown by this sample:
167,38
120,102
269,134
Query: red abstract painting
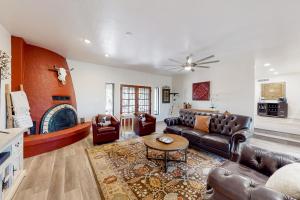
201,91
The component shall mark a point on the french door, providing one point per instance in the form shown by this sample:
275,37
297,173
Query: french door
135,99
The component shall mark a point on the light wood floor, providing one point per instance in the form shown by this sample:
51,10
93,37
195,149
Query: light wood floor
61,174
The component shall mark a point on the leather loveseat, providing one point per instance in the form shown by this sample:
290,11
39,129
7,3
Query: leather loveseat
245,179
226,132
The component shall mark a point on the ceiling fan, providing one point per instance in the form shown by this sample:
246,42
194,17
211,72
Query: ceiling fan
190,64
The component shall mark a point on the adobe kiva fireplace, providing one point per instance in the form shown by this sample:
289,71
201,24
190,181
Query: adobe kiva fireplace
58,117
56,127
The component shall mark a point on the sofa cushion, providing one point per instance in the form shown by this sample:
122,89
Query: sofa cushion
177,129
106,129
147,124
229,124
238,169
107,134
216,141
193,135
202,123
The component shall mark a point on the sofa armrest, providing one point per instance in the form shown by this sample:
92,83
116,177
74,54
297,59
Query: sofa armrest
94,127
172,121
236,139
224,183
115,121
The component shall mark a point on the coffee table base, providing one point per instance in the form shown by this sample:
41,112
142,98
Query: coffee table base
165,158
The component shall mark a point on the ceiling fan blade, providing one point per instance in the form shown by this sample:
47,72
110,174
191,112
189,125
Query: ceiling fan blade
206,58
176,61
214,61
172,68
169,65
202,66
180,70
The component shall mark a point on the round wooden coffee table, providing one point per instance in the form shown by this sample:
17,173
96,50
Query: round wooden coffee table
179,144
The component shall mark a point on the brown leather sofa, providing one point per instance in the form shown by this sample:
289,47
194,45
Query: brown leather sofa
226,131
245,179
146,127
103,134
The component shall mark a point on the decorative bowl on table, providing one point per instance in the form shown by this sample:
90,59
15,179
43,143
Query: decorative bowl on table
165,139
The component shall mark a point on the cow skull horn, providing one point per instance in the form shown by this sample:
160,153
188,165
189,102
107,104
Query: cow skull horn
61,74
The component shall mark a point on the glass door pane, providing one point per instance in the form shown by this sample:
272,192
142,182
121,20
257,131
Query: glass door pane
156,101
128,100
144,100
109,98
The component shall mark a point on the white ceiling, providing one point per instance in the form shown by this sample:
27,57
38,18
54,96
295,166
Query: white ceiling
269,30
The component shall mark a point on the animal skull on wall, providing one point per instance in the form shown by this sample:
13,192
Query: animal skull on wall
61,73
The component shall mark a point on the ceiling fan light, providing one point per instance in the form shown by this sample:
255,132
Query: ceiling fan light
188,68
189,60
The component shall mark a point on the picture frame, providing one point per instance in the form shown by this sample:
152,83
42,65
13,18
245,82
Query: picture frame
166,95
273,91
201,91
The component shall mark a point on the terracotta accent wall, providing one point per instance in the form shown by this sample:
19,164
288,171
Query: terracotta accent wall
17,62
30,67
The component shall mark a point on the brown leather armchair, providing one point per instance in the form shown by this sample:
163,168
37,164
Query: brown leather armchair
146,127
103,134
245,179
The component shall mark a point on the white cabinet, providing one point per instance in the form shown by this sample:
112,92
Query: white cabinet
11,165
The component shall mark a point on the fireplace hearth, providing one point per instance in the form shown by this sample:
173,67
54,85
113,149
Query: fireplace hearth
58,118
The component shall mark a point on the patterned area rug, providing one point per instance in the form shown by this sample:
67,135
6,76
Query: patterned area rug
123,172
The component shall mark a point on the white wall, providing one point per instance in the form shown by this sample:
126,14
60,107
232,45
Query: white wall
232,84
292,92
89,84
5,44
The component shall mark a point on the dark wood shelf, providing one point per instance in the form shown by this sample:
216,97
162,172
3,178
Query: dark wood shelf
279,109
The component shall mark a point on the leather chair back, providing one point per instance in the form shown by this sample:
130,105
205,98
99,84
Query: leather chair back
99,117
264,161
219,123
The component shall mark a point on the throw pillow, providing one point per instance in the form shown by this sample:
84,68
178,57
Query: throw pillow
202,123
142,117
226,113
105,121
286,180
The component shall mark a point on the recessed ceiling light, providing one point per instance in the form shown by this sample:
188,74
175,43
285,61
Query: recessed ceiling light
87,41
267,64
276,73
106,55
272,70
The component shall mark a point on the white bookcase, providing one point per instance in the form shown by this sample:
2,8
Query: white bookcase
11,170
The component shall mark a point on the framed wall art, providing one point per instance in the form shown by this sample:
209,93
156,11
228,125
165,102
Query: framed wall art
201,91
273,91
166,95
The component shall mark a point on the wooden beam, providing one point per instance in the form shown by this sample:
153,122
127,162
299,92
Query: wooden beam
9,107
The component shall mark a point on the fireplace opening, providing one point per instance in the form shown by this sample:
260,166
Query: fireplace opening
58,118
